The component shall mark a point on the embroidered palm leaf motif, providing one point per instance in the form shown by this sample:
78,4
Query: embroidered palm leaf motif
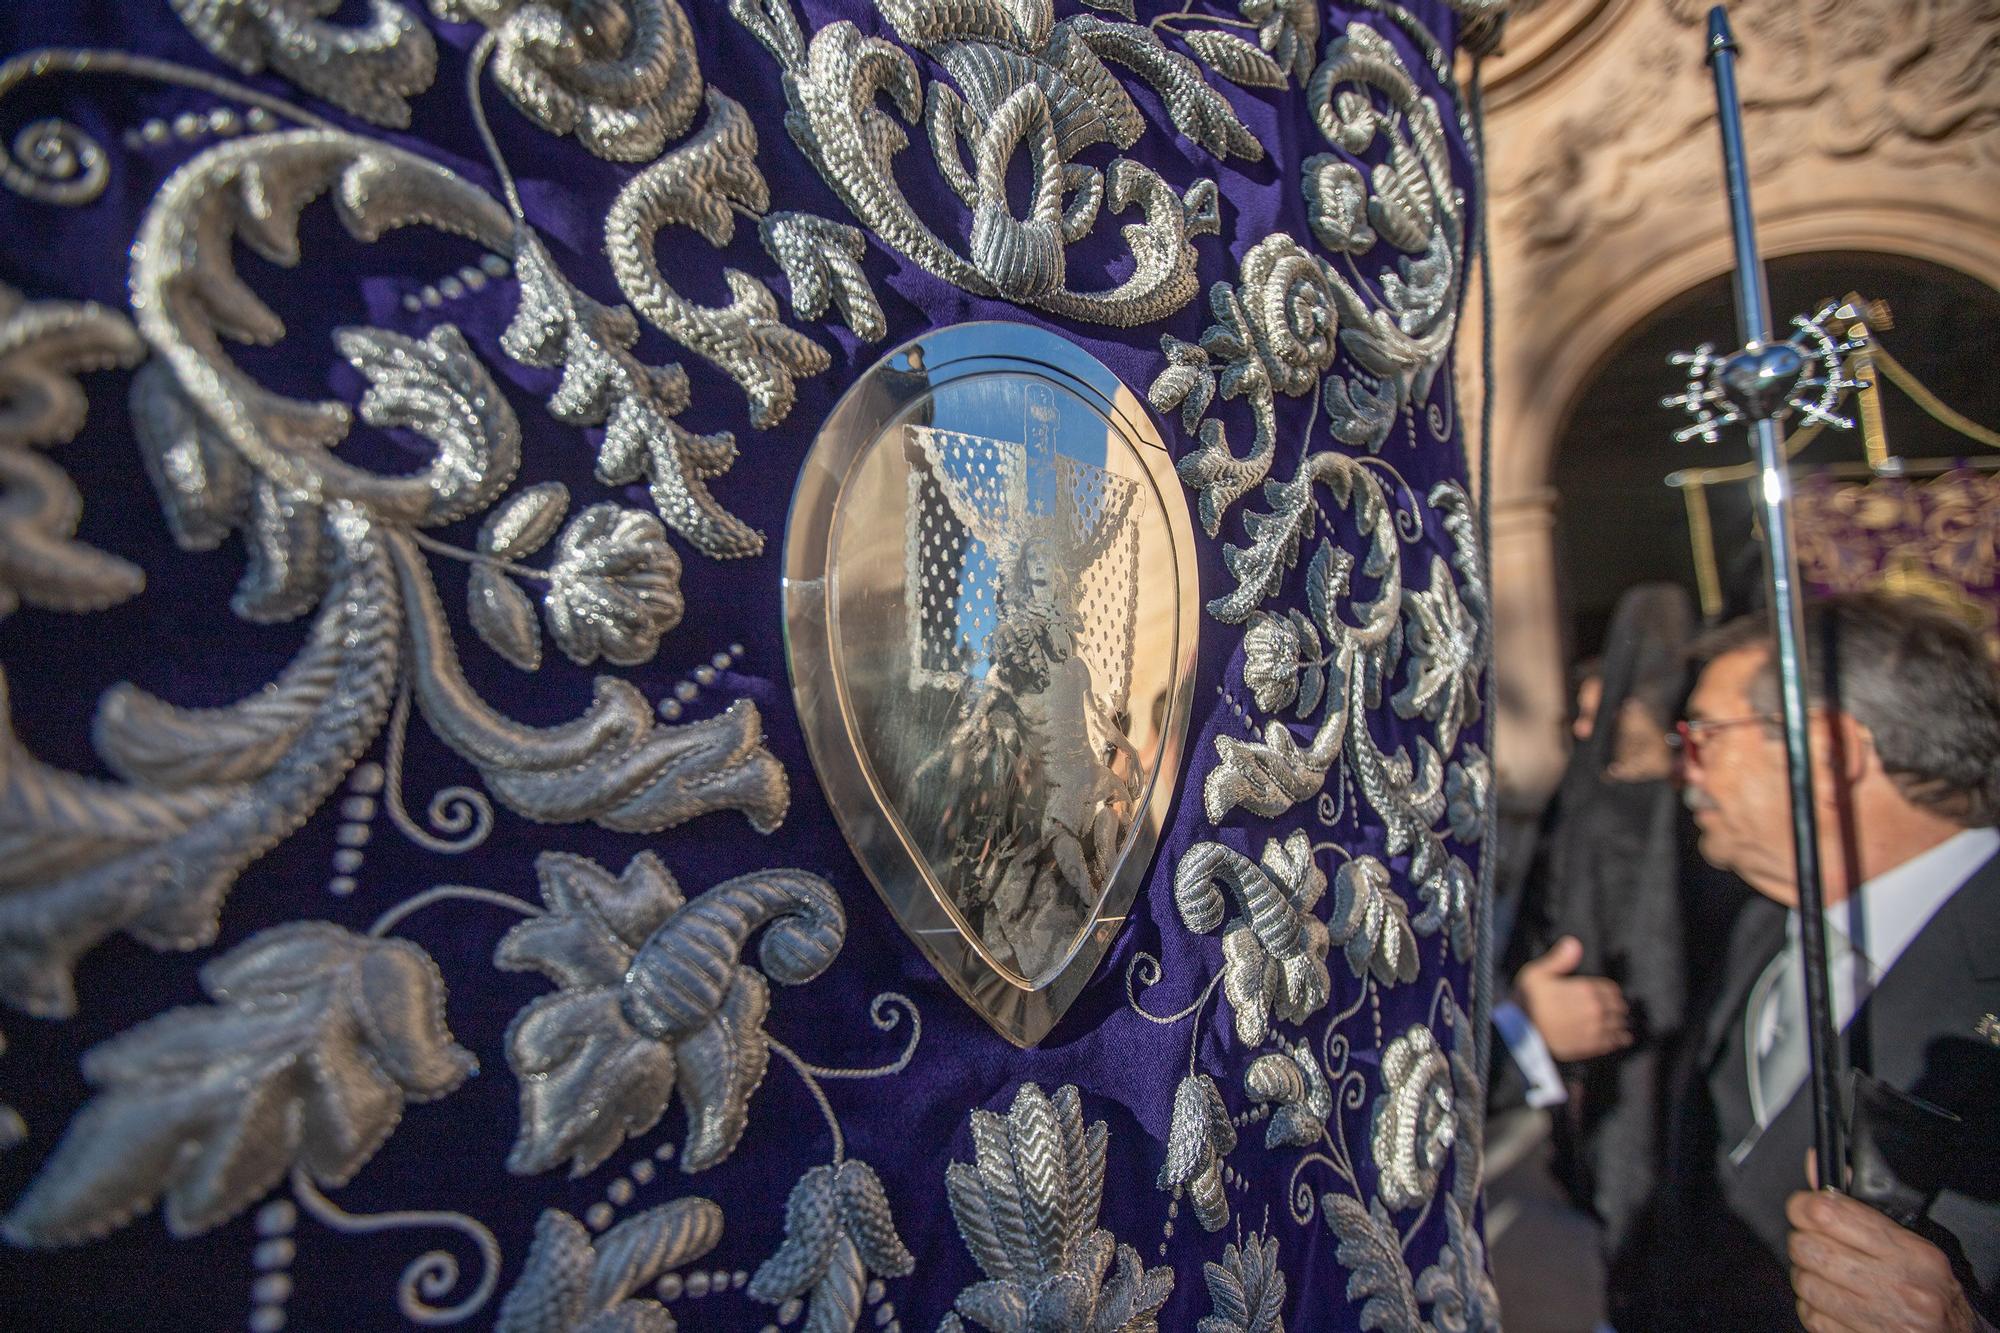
1246,1289
838,1230
573,1284
316,1039
1373,1256
1027,1208
653,1000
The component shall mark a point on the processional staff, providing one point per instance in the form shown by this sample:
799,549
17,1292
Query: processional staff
1758,385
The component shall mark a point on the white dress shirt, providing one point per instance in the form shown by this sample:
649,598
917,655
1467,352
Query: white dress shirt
1865,935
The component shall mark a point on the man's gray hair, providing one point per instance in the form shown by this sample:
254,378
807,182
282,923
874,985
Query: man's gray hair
1921,682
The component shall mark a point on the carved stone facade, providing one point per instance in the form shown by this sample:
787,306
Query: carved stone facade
1873,125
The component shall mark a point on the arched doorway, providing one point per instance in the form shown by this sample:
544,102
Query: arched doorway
1617,523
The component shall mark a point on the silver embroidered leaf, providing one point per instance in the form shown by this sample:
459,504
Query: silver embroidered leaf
1236,60
573,1283
369,70
1246,1290
614,587
1372,1254
1415,1119
315,1040
523,524
1289,30
44,345
204,792
503,617
697,185
1292,1080
1199,1137
1274,953
1458,1287
1371,923
652,1000
1448,905
621,75
822,261
1027,1209
604,384
838,1229
1188,382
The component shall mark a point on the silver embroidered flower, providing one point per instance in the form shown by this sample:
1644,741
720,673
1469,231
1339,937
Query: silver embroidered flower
838,1230
1415,1120
1280,323
1288,30
614,588
574,1283
1199,1136
1291,1079
1274,954
1337,204
652,1000
1027,1209
1371,922
1468,790
1442,681
1281,662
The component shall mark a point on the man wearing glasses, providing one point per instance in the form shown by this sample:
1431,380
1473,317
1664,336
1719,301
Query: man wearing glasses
1905,718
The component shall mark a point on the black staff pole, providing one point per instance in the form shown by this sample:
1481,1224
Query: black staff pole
1758,382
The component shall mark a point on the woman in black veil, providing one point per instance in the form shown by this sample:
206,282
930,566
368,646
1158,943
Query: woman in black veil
1617,872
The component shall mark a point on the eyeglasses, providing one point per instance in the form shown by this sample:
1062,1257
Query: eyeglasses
1686,736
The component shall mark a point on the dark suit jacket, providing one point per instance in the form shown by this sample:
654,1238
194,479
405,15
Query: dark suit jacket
1720,1243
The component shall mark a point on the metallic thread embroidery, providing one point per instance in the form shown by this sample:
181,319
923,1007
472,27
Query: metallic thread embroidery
44,345
1198,1138
1274,953
1246,1290
621,75
837,1231
652,1000
1291,1079
368,70
1027,1209
1415,1123
573,1283
697,185
316,1039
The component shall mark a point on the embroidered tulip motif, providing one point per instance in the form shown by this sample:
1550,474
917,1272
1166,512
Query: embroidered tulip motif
838,1229
574,1284
1198,1138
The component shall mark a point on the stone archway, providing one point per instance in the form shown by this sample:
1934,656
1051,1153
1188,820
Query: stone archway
1870,129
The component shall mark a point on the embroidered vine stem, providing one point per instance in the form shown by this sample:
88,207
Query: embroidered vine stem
1409,522
396,915
885,1018
53,161
459,553
475,68
430,1276
460,810
1171,22
805,1072
1147,968
1345,855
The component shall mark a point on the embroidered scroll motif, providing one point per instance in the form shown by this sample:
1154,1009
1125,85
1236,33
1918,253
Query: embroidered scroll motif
1277,329
368,70
1274,954
652,1000
695,186
621,75
1027,1209
44,345
316,1039
1023,83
